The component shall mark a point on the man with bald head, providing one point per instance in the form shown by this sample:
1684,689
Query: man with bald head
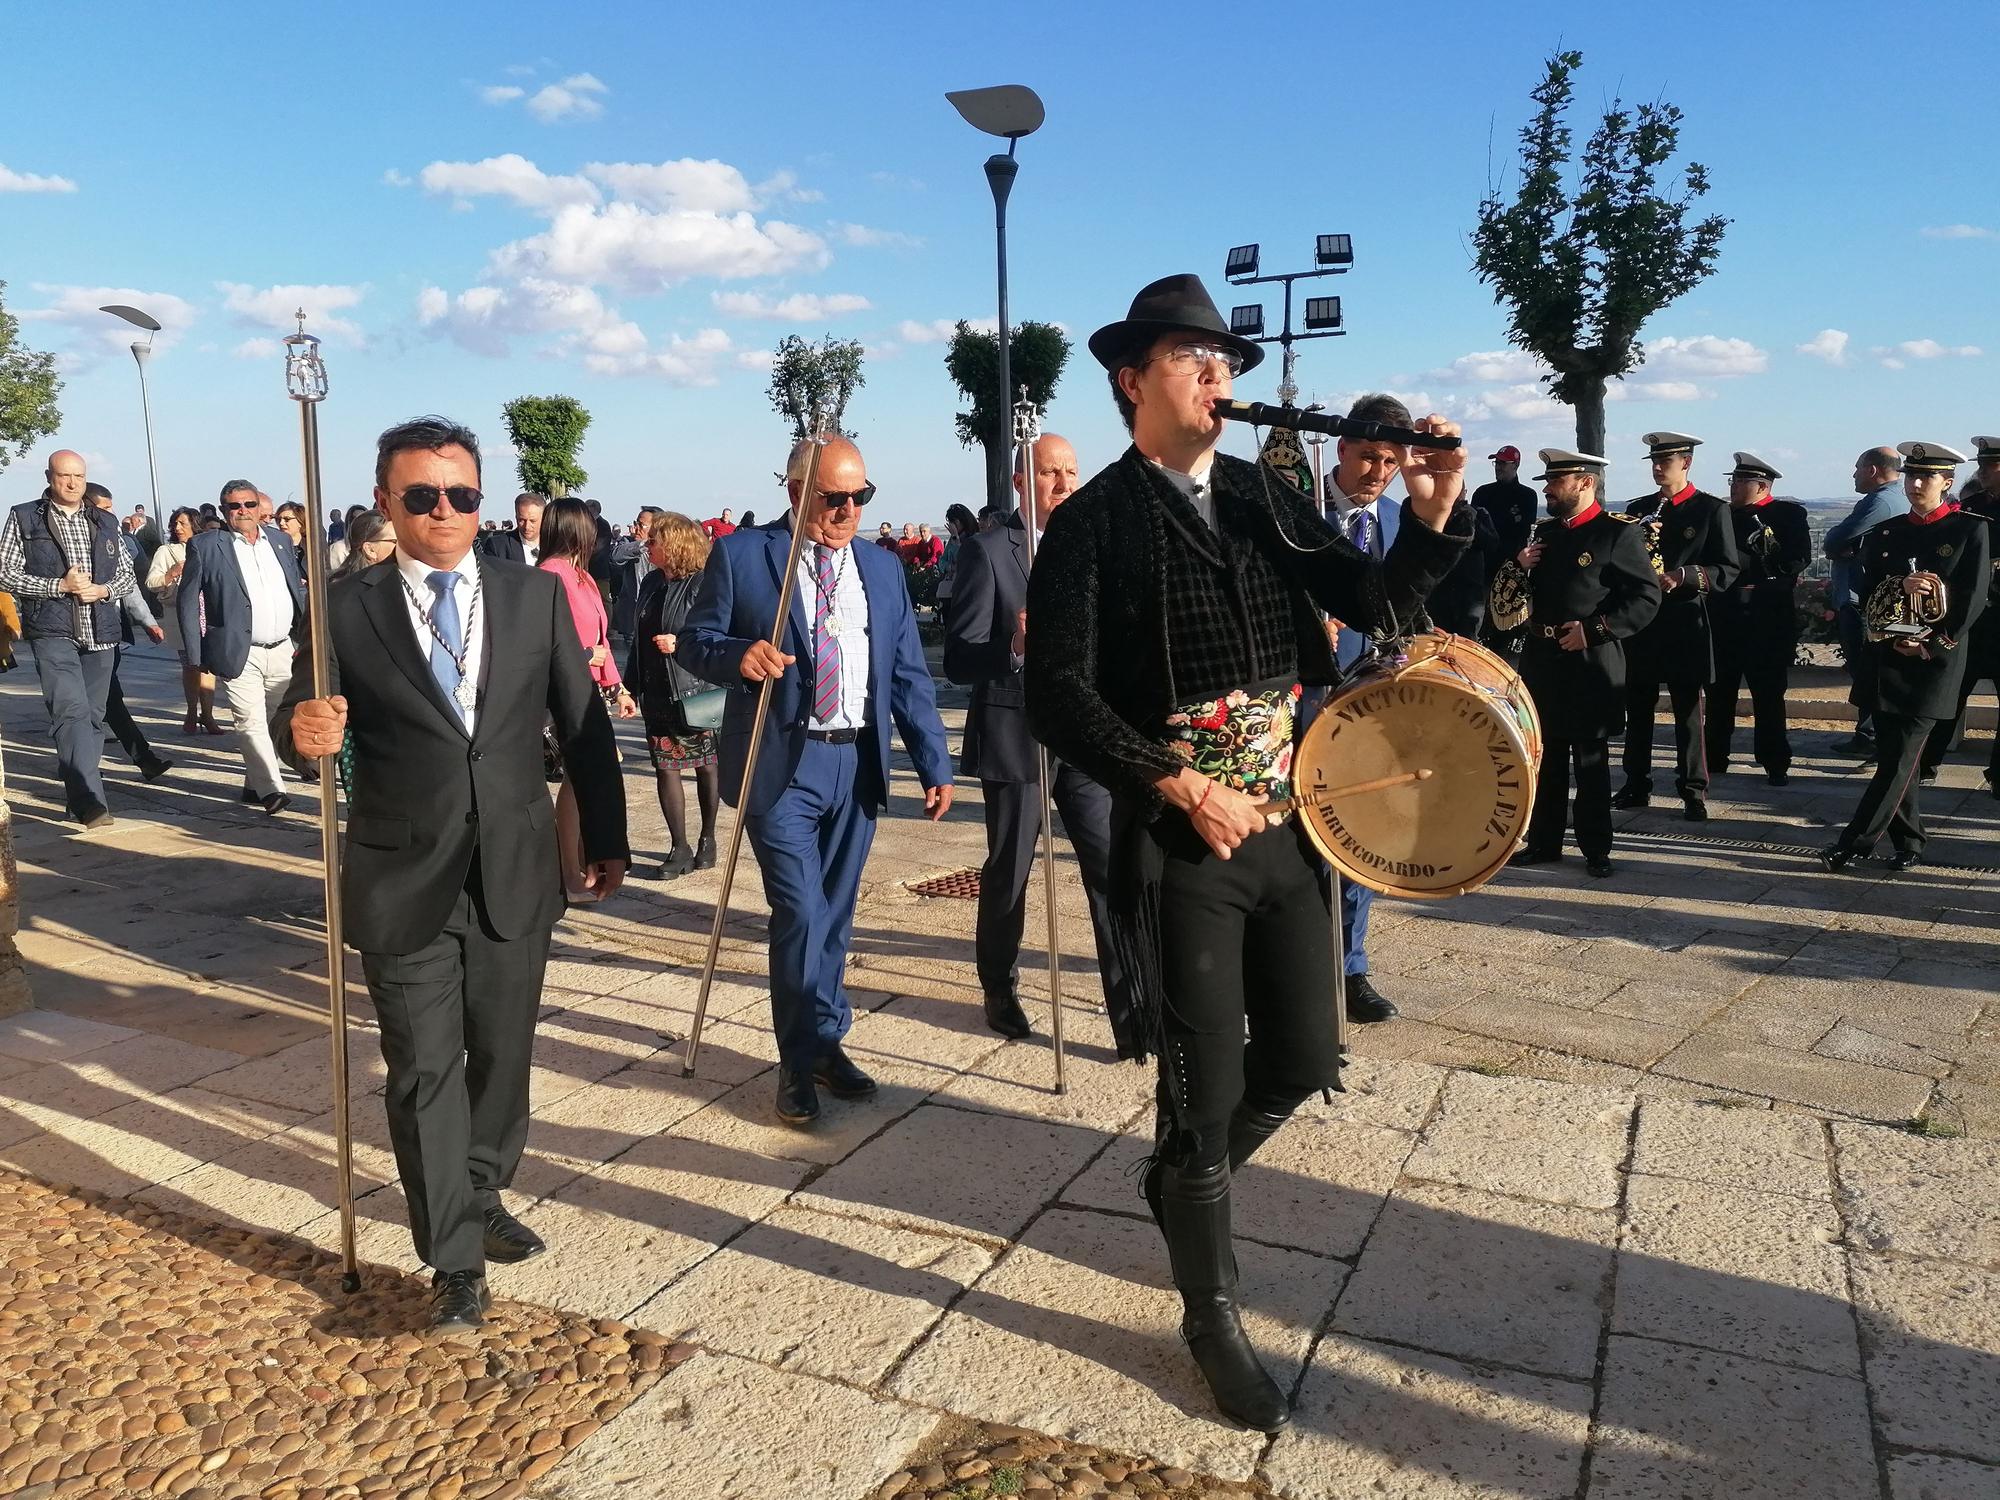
984,646
852,665
64,562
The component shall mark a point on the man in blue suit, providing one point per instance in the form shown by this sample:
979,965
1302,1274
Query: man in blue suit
240,596
853,663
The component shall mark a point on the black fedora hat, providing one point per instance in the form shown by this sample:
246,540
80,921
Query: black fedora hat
1172,302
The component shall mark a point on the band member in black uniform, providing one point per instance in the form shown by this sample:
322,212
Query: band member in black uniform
1923,588
1511,507
1590,588
1755,624
1978,496
1696,549
1172,619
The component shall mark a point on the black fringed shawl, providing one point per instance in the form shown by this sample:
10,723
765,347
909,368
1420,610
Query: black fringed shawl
1136,606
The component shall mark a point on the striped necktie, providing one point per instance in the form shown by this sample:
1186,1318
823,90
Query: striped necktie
826,643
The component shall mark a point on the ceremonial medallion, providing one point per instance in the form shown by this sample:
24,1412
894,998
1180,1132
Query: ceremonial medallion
466,694
833,624
1688,532
1945,550
1583,559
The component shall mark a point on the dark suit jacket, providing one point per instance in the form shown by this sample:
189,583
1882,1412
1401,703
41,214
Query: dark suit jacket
1697,537
426,799
212,589
1955,547
736,605
1598,573
503,546
989,590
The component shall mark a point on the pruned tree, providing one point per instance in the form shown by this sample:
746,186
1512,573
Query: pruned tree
1036,354
815,382
28,387
546,432
1590,249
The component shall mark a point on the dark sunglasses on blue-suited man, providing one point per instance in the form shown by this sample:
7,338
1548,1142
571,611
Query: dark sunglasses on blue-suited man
422,499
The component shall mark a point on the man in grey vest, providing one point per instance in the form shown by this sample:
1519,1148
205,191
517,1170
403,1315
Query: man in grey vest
64,562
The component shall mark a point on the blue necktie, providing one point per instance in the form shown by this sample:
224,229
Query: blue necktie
450,634
1364,532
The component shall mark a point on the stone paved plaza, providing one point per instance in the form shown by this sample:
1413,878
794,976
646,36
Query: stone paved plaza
1630,1205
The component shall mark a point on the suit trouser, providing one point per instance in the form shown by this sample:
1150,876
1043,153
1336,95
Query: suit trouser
118,719
1593,797
457,1018
1013,830
75,687
254,695
1945,733
1642,698
1770,740
1890,801
1853,642
1357,902
811,846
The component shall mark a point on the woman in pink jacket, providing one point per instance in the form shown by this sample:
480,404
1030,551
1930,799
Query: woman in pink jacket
569,536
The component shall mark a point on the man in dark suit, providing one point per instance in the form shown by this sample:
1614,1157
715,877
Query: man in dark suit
240,596
1756,624
523,543
1695,549
854,664
444,671
984,645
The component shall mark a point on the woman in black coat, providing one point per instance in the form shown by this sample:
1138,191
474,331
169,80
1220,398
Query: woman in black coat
678,550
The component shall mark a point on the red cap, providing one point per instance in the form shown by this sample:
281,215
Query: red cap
1508,455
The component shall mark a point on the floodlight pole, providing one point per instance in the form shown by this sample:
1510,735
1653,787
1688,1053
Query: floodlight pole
1288,387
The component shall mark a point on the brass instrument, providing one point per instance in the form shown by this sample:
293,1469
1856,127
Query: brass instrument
1892,612
1509,598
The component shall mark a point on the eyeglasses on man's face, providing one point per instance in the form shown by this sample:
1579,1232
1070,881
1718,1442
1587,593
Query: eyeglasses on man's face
1194,356
232,506
836,499
422,499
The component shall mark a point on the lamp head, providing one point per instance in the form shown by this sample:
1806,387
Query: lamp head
1008,110
133,316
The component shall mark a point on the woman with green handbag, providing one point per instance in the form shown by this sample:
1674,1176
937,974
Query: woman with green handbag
681,711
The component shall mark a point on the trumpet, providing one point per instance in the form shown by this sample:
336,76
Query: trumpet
1893,612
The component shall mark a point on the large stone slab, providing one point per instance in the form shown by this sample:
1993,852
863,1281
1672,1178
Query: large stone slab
957,1171
1675,1423
823,1294
49,1036
1932,1335
1019,1078
1400,1424
301,1074
1930,1476
1903,1193
720,1426
1746,1148
1485,1277
1756,1274
146,1141
1076,1332
1561,1143
1316,1185
745,1118
602,1120
1821,1082
1592,1033
281,1182
1387,1091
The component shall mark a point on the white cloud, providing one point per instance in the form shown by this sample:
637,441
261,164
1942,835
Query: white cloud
679,361
1961,232
623,245
99,334
30,182
572,321
785,186
1932,349
394,178
1484,369
501,93
511,176
1707,355
937,331
801,307
896,180
702,186
862,236
1664,390
1829,344
577,97
270,349
277,307
752,359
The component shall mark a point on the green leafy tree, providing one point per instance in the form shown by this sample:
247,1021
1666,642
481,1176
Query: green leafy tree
546,431
814,382
1590,249
1036,355
28,387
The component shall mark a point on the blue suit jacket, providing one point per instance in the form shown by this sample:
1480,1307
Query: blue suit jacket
738,600
212,589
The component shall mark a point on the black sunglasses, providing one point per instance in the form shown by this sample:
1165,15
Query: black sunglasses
855,498
422,499
234,505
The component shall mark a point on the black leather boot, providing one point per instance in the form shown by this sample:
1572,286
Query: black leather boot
1248,1130
1194,1213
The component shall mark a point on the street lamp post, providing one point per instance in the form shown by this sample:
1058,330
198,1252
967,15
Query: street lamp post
1008,110
142,350
1333,255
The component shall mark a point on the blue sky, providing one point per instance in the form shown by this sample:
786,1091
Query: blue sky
632,203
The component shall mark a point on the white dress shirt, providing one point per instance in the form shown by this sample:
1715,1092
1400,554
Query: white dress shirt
1195,487
1341,513
850,607
270,595
416,580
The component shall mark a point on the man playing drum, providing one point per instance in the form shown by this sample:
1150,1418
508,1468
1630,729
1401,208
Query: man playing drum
1171,622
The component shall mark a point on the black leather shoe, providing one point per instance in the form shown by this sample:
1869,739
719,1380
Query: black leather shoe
1905,859
1004,1015
96,817
704,854
276,803
509,1240
1927,774
1694,810
1365,1003
798,1100
1837,858
155,768
841,1078
678,863
1778,778
1632,796
1600,869
1856,744
459,1300
1534,856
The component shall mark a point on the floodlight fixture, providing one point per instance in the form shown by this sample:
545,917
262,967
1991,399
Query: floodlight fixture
1242,263
1247,322
1322,314
1334,251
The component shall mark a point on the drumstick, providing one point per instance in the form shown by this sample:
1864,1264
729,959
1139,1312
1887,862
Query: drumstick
1278,812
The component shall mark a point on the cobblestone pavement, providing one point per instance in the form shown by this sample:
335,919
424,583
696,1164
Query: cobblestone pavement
1627,1208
